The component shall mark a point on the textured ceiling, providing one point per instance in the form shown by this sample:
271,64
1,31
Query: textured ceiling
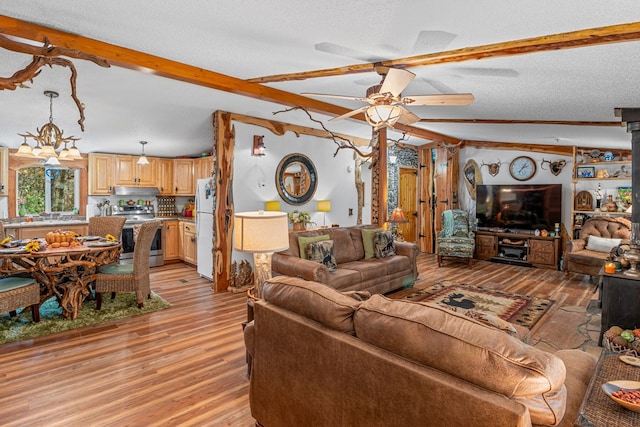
253,38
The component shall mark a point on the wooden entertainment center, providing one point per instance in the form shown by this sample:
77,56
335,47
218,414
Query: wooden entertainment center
518,248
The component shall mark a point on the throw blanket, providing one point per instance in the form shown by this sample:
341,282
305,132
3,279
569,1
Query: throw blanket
447,223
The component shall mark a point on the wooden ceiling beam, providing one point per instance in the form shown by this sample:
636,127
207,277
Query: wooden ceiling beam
570,40
524,122
143,62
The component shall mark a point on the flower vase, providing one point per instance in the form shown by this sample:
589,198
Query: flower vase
299,226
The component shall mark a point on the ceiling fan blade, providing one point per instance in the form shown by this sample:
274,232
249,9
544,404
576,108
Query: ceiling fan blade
396,80
407,117
454,99
350,113
325,95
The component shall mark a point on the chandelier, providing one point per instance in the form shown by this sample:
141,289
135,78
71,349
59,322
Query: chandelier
48,140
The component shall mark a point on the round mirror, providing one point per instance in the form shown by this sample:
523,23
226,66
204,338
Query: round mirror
296,179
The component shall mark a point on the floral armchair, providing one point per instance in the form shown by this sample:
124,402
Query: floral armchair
455,239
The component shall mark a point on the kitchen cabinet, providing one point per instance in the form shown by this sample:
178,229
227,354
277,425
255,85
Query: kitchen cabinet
164,170
100,173
130,173
183,177
4,171
171,243
592,167
202,168
32,232
189,242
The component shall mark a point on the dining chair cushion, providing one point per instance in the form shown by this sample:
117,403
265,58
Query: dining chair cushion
10,283
117,269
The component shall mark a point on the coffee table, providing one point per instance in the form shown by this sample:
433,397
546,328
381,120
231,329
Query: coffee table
597,408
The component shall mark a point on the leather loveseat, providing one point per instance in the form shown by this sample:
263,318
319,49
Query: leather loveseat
355,270
323,358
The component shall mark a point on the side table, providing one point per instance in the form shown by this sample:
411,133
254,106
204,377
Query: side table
620,298
597,408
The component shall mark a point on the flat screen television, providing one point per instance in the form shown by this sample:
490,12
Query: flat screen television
518,207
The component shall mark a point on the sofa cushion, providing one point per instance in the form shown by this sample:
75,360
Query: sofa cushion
437,337
343,247
383,244
602,244
369,269
367,241
313,300
322,252
303,241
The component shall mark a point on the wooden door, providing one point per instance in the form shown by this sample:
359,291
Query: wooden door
407,201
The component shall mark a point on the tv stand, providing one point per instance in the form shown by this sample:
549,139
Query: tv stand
518,249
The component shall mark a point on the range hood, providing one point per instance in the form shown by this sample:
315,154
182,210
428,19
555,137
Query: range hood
121,190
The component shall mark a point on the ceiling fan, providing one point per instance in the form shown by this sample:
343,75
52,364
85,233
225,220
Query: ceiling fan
386,103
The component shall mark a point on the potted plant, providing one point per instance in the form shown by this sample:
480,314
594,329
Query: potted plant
299,219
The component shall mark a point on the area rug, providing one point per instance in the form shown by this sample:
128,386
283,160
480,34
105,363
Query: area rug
124,305
518,309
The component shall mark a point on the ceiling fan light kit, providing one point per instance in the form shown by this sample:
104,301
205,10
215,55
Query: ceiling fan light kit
380,116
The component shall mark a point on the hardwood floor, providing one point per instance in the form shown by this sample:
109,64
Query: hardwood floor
186,365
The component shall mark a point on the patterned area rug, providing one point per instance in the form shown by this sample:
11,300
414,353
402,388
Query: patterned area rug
518,309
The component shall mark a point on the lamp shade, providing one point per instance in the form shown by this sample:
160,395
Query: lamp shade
324,206
272,205
397,217
261,232
380,116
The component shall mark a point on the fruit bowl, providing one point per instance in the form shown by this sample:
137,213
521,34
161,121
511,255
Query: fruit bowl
625,393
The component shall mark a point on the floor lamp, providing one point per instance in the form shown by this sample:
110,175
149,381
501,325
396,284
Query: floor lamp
324,206
261,233
397,217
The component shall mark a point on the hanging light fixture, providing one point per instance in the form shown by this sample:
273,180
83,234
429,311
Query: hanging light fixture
49,138
142,160
380,116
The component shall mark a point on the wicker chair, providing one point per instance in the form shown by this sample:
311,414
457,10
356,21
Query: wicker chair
129,277
103,225
18,292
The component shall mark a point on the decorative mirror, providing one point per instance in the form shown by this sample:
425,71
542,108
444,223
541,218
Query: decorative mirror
296,179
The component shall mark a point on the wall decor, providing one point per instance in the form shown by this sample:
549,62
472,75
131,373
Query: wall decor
472,177
586,172
296,179
583,201
494,168
555,167
522,168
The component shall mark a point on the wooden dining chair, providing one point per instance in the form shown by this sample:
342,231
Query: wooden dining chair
103,225
129,277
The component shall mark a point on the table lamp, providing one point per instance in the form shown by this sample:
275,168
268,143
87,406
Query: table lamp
261,233
397,217
272,205
324,206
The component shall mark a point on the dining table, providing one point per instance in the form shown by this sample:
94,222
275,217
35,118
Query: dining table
66,272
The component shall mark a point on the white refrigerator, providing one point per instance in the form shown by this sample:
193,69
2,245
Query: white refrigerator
205,204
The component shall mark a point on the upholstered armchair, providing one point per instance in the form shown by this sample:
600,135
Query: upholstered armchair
598,235
456,238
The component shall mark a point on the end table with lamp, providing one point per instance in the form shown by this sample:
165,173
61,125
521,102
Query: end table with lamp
397,217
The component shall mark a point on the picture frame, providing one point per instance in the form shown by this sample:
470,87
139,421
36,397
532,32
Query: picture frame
586,172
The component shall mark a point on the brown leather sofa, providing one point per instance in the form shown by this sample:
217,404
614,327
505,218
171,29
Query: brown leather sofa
354,272
579,259
322,358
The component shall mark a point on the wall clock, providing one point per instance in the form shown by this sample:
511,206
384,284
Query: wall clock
522,168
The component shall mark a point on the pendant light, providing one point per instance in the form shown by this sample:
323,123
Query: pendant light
142,160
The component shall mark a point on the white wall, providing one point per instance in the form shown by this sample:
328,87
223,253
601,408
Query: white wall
254,177
542,176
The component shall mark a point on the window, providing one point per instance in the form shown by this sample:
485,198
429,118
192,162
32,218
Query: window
43,189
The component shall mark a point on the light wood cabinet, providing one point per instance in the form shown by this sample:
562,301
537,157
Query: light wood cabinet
171,243
128,172
189,242
4,171
183,177
202,168
36,232
165,178
100,174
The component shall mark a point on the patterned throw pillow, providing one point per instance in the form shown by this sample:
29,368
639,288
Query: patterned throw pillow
322,252
383,244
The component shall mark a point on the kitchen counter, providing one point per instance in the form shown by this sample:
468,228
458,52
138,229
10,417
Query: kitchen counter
177,218
47,223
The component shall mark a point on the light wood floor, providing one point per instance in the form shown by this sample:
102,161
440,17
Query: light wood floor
185,365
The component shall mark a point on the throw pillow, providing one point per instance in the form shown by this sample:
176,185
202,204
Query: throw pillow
303,241
383,244
367,241
322,252
601,244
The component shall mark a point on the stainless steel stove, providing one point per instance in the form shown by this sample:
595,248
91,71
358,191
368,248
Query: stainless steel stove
137,214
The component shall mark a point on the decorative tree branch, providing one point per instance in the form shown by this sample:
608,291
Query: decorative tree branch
341,142
46,55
